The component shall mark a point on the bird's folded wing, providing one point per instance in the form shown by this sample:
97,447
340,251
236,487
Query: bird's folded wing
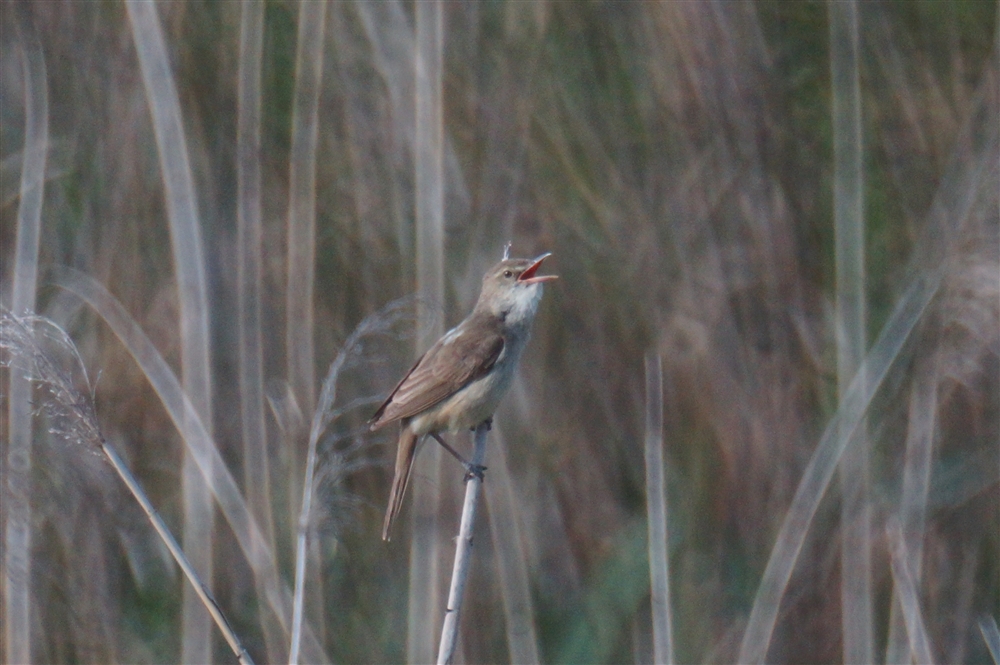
447,367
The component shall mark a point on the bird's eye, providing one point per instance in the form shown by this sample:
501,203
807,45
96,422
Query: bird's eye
508,274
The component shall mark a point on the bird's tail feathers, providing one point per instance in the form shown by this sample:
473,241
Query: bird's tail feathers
405,453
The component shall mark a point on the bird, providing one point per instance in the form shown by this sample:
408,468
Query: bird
459,381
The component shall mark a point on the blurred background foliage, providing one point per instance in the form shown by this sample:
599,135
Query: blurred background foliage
677,158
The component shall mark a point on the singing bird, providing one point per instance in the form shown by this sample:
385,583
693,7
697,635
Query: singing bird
458,382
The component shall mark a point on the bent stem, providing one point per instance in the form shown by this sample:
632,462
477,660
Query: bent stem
463,551
175,550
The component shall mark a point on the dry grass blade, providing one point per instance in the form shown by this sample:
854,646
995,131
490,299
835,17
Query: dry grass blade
916,487
300,352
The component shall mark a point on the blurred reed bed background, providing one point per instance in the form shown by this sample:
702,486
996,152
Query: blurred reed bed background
790,209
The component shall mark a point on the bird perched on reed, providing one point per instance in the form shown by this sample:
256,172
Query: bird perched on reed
459,381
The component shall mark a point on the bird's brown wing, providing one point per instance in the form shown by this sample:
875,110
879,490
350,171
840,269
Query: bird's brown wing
446,368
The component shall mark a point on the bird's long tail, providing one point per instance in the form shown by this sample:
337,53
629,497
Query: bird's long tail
405,453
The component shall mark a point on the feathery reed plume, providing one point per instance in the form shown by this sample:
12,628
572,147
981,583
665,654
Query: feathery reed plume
30,343
379,323
24,340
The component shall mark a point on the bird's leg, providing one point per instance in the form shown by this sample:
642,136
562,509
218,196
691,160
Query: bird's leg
472,470
451,450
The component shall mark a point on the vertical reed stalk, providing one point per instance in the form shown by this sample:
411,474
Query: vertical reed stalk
656,513
463,552
425,548
299,343
302,206
301,541
913,506
189,271
851,322
256,462
906,590
16,471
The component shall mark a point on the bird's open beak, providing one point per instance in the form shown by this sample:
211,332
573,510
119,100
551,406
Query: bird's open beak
528,276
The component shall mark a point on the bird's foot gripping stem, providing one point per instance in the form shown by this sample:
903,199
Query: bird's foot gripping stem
471,470
474,471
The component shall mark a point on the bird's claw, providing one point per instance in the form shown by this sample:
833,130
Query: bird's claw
489,425
474,471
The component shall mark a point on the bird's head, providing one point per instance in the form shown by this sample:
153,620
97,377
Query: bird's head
512,289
